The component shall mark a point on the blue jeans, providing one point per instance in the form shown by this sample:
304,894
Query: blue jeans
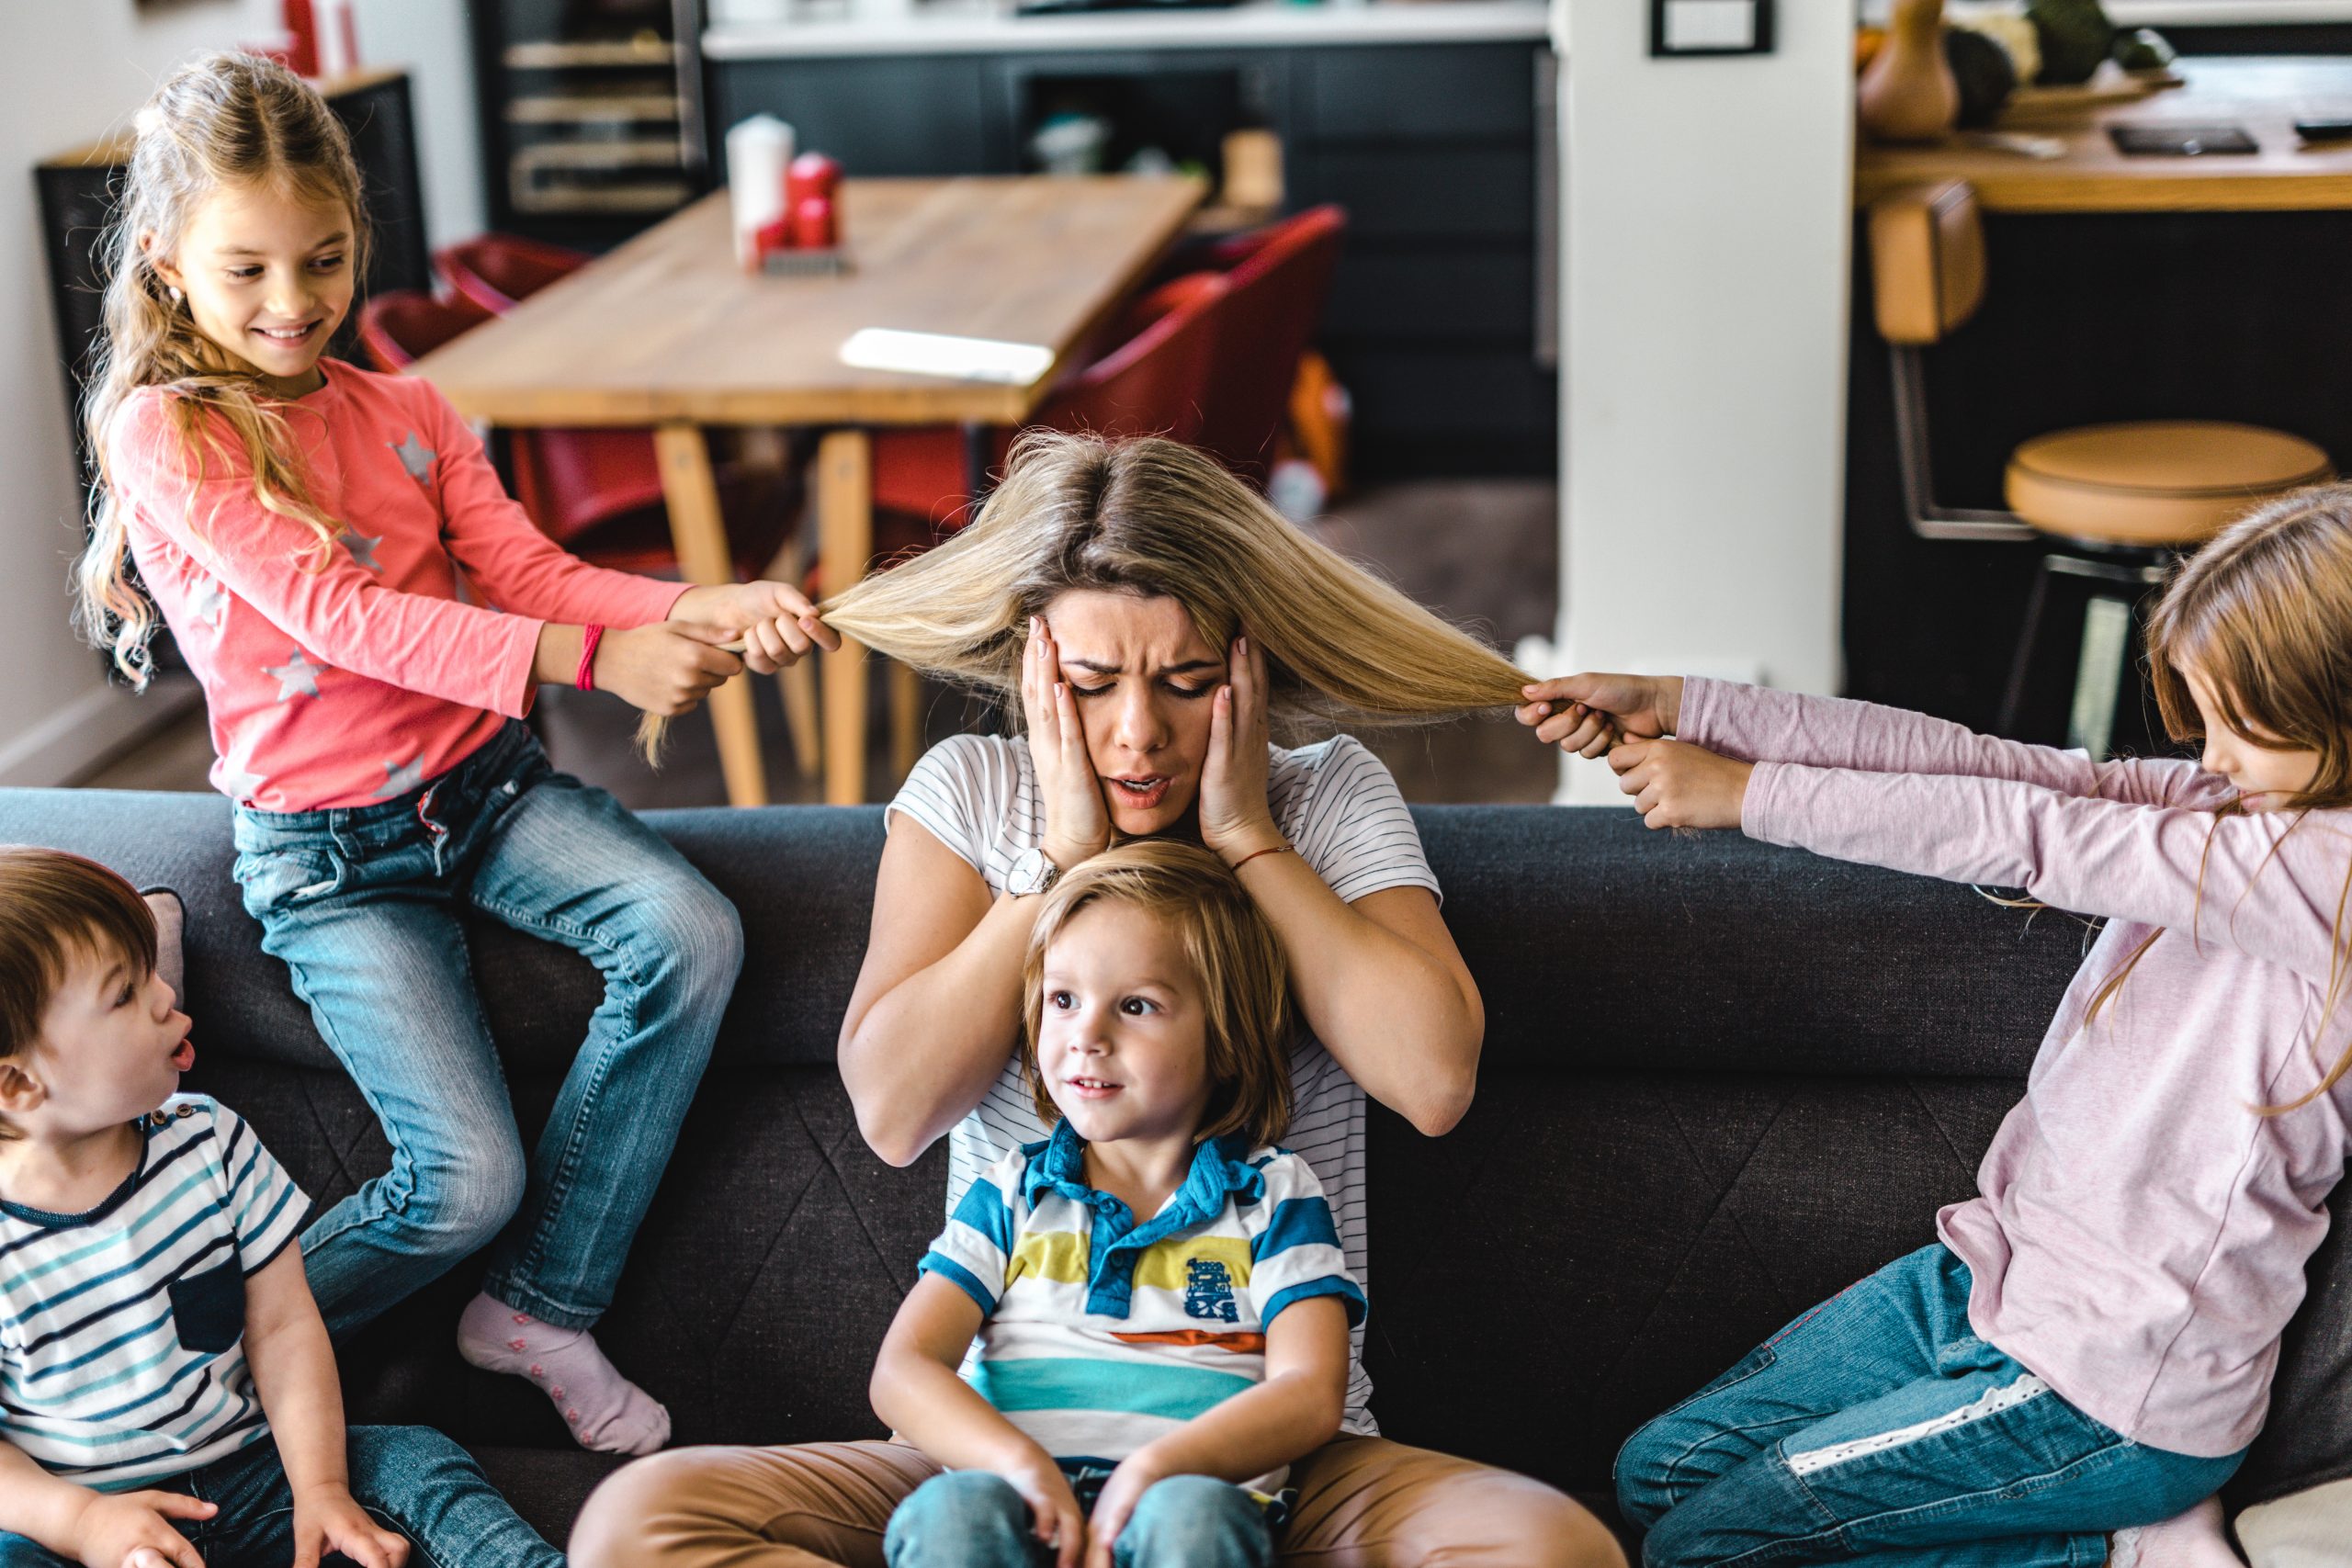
363,903
970,1518
411,1478
1879,1429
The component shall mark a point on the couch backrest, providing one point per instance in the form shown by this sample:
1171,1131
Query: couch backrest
1721,1081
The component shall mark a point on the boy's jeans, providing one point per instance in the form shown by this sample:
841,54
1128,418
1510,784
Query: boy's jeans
1878,1429
363,903
411,1478
970,1518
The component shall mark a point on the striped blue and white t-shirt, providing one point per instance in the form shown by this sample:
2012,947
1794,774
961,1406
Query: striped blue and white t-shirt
122,1351
1341,811
1103,1332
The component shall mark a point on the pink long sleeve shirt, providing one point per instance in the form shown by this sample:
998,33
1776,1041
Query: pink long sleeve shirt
2141,1233
356,675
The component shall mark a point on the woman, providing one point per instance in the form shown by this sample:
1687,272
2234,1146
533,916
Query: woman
1153,617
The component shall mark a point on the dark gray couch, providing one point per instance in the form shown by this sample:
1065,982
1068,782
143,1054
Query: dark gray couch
1720,1082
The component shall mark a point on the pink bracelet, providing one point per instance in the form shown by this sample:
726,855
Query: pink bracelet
586,679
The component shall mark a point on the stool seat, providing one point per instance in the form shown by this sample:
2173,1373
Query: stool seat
2159,482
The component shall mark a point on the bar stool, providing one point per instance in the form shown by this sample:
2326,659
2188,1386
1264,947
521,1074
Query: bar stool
2118,504
2112,505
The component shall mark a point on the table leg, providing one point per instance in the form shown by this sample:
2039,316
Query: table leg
845,548
906,721
798,679
699,533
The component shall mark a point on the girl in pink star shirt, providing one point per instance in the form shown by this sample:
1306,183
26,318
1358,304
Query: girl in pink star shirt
303,526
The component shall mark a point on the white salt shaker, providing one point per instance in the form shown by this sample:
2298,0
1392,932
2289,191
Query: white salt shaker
759,150
338,34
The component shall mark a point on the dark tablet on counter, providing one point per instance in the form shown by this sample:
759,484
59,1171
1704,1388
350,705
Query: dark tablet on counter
2182,140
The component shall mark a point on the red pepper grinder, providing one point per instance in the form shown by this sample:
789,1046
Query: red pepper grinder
812,202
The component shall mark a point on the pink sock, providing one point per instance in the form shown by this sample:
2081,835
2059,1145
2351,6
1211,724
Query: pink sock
603,1409
2193,1540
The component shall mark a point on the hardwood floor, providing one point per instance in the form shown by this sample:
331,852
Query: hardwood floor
1483,552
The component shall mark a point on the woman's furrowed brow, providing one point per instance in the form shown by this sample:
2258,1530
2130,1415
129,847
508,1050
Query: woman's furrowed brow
1189,666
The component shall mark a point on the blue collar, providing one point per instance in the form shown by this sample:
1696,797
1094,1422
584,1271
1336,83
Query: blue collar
1057,1165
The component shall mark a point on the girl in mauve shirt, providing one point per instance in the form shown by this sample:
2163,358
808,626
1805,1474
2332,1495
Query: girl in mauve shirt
303,526
2088,1346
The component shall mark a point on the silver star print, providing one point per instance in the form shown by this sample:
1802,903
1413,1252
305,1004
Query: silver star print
210,601
297,677
363,548
402,777
414,455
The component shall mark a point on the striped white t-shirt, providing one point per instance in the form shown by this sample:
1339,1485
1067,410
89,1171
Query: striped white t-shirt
122,1351
1106,1330
1341,810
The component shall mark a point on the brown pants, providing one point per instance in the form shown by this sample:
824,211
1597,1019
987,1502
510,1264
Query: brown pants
1362,1503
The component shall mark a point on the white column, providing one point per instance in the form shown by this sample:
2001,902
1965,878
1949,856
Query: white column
1707,214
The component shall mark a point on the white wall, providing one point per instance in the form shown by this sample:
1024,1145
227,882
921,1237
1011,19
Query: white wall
74,71
1708,223
430,38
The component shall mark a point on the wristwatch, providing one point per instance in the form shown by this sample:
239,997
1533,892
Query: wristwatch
1032,872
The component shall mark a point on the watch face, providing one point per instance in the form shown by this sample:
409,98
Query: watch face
1032,873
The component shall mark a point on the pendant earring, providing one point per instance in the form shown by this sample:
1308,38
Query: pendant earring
174,291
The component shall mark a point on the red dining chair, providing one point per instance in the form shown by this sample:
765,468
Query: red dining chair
1278,280
401,326
496,271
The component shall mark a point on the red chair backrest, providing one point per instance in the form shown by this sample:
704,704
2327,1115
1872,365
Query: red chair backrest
495,271
1157,382
402,325
1277,290
569,480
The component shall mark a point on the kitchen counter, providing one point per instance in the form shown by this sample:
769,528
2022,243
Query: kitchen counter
957,26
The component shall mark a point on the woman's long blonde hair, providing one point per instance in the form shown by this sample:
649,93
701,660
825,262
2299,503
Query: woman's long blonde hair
1151,517
223,119
2264,614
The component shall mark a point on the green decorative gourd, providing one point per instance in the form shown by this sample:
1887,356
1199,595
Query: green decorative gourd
2076,36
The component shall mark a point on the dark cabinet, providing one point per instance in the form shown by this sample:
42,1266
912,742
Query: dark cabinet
590,115
891,116
1435,150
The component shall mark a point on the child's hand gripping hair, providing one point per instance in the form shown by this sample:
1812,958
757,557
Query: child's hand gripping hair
1628,719
1677,784
714,634
1587,714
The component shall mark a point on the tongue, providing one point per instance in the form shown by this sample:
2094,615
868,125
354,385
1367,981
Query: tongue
185,1058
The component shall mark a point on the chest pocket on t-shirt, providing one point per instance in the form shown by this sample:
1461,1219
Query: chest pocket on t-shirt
208,1308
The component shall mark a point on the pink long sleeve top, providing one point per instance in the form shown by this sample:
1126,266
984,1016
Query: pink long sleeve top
2141,1231
354,675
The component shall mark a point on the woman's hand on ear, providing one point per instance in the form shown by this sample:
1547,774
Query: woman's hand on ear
1078,819
1588,714
1677,784
1236,819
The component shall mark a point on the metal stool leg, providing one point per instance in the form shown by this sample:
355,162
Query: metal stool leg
2021,666
2112,585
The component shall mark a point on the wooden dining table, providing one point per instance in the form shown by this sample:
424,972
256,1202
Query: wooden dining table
2265,95
668,332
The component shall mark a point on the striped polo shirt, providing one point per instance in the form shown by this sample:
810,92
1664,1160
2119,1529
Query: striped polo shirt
1103,1333
1341,810
122,1354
